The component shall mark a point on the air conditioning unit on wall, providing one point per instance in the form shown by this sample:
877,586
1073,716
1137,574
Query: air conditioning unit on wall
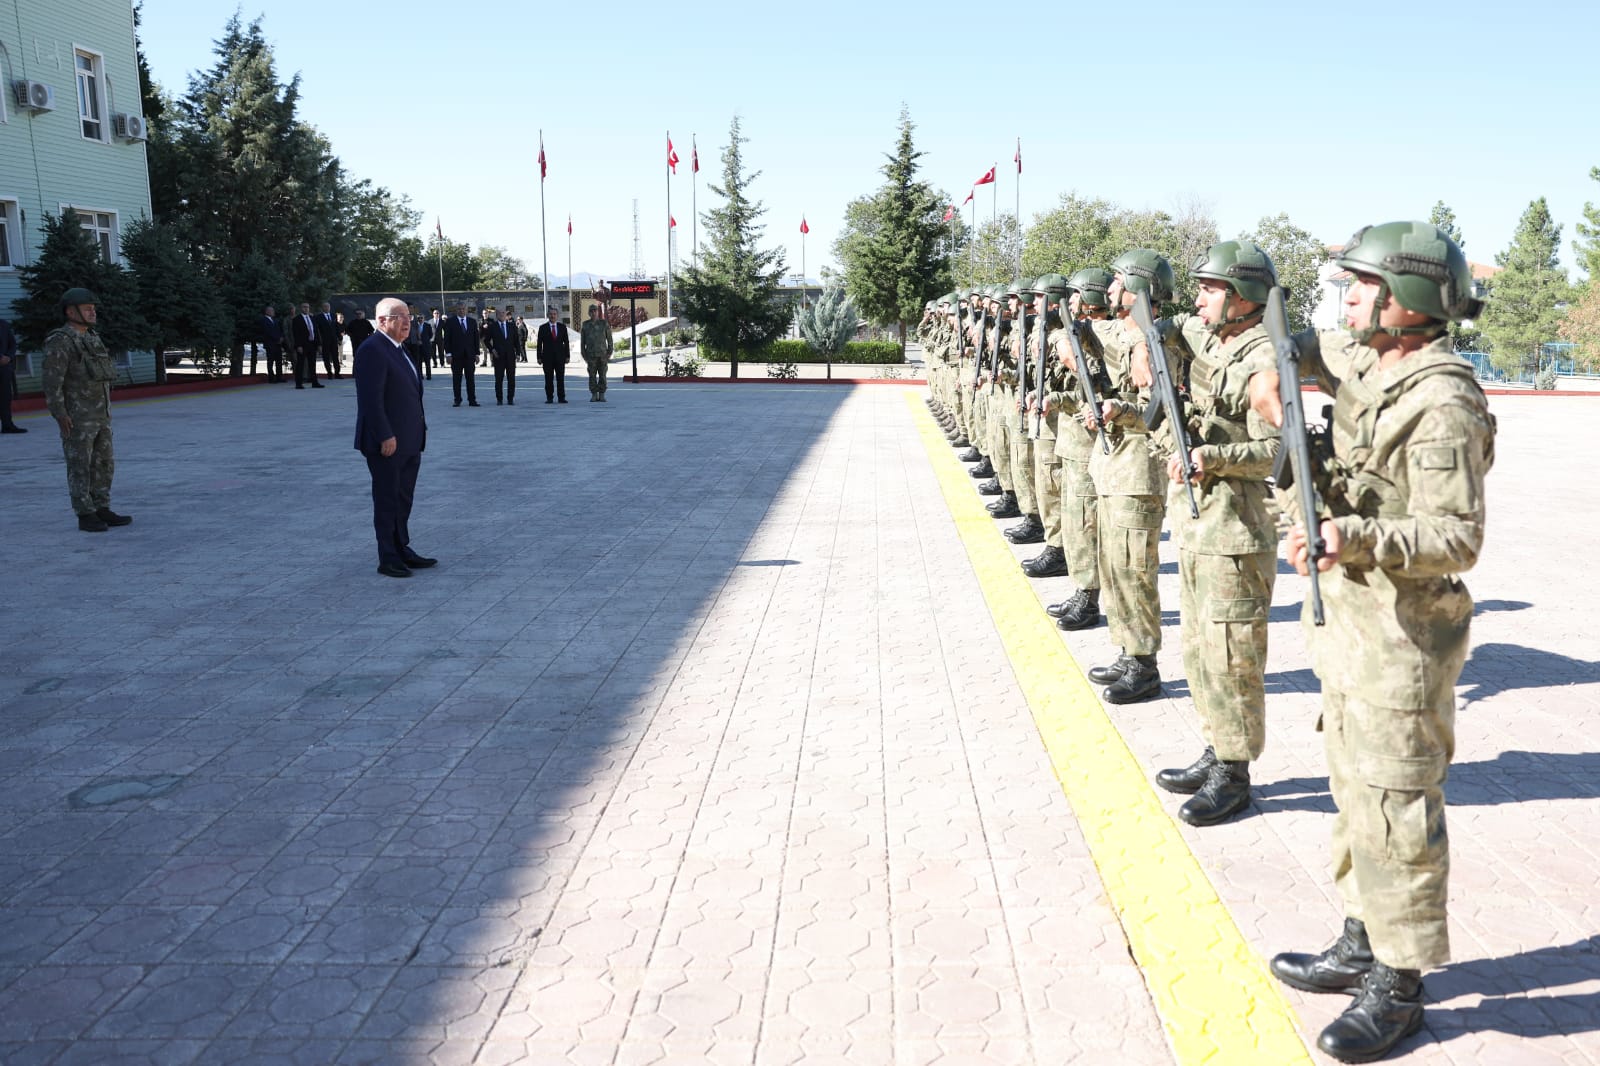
34,95
130,127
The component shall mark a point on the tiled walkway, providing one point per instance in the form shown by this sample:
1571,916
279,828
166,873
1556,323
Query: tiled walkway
701,744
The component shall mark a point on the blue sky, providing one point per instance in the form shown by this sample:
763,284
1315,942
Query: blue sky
1338,115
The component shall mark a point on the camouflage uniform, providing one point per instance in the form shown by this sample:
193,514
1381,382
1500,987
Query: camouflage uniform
1412,444
997,400
1080,536
1020,440
595,345
1227,558
1046,466
78,373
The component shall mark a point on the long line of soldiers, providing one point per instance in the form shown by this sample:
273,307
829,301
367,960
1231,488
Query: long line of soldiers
1054,388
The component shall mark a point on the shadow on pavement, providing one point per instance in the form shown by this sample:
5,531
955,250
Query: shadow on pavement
1518,996
1497,668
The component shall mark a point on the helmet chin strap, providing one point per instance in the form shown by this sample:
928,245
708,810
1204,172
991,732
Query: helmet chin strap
1236,319
1364,336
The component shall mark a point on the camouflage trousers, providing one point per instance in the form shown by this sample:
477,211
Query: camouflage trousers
1224,600
979,434
999,441
1130,539
1391,855
89,465
598,365
1022,465
1080,524
1047,489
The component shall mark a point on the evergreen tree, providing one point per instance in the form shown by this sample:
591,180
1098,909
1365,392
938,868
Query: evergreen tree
1587,246
902,259
991,257
176,298
830,323
1463,337
380,227
1526,298
252,287
732,293
1298,257
70,257
1445,219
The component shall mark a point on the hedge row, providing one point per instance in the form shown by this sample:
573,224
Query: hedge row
801,352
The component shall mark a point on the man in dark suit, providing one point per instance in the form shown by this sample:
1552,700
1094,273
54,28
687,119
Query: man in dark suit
391,433
358,329
485,327
461,341
272,340
303,328
419,344
555,352
505,342
522,331
441,358
330,337
8,377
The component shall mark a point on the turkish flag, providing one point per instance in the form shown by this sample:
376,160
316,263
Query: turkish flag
1018,157
968,200
543,170
986,179
672,223
949,213
694,157
803,227
672,156
569,225
438,227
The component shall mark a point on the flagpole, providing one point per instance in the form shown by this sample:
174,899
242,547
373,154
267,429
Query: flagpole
544,247
1019,207
440,246
669,227
694,196
571,311
972,241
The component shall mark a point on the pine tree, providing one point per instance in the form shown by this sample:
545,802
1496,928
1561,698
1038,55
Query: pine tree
830,323
1526,298
1443,217
1298,257
69,257
252,287
176,298
732,293
1463,338
901,260
1587,246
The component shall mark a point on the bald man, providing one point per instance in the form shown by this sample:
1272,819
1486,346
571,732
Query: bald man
391,433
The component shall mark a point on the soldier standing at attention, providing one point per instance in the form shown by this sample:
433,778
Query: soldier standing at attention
1404,495
1228,556
78,373
595,345
1019,295
1050,291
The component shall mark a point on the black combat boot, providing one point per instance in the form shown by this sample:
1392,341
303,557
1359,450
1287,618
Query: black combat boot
1104,675
983,469
1029,531
91,523
971,455
1052,562
1080,612
112,518
1225,793
990,487
1006,507
1340,968
1386,1011
1140,681
1188,780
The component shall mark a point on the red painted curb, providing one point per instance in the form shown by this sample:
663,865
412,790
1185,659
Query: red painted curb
653,380
1501,391
35,401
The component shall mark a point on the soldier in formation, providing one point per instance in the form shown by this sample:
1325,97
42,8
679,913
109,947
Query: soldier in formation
78,373
1400,478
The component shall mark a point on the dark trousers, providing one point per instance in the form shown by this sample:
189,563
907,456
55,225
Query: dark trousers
505,369
8,389
274,362
424,366
305,366
464,366
330,361
555,381
394,485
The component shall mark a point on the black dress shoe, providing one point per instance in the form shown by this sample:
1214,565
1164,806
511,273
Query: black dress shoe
112,518
317,385
511,403
1104,675
1225,793
562,400
499,402
394,570
456,404
1340,967
1029,531
1080,612
1140,681
1386,1011
419,562
1187,781
548,400
474,403
12,429
990,487
1052,562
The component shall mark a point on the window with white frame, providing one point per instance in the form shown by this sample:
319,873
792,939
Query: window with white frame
91,94
10,235
102,226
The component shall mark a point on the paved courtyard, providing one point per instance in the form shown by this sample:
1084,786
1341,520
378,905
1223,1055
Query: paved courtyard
708,741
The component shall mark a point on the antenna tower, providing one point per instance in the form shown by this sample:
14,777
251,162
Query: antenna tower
638,245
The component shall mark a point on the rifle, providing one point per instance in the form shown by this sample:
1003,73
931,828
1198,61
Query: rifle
1293,464
994,356
1165,403
1038,374
961,342
1086,391
977,349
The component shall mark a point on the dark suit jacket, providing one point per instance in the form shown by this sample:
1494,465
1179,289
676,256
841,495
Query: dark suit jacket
358,330
271,334
460,343
421,337
555,346
388,399
327,332
305,339
8,343
506,345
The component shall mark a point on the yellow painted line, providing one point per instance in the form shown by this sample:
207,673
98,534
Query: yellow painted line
1212,992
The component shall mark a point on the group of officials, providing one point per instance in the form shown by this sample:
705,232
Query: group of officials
1082,456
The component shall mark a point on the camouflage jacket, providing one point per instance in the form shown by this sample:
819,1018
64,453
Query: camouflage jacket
1412,443
78,373
1131,469
1237,513
595,339
1073,439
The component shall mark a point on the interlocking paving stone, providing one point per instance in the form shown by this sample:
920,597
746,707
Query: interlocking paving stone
699,746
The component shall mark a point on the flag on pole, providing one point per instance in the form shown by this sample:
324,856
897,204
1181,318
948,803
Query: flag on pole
672,156
694,157
672,223
950,212
803,227
987,178
543,169
970,195
1018,156
438,227
569,225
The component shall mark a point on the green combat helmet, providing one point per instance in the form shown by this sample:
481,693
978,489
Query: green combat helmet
75,297
1053,287
1244,267
1146,270
1022,289
1092,284
1421,266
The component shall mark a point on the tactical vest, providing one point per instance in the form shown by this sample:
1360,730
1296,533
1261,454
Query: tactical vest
1207,425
